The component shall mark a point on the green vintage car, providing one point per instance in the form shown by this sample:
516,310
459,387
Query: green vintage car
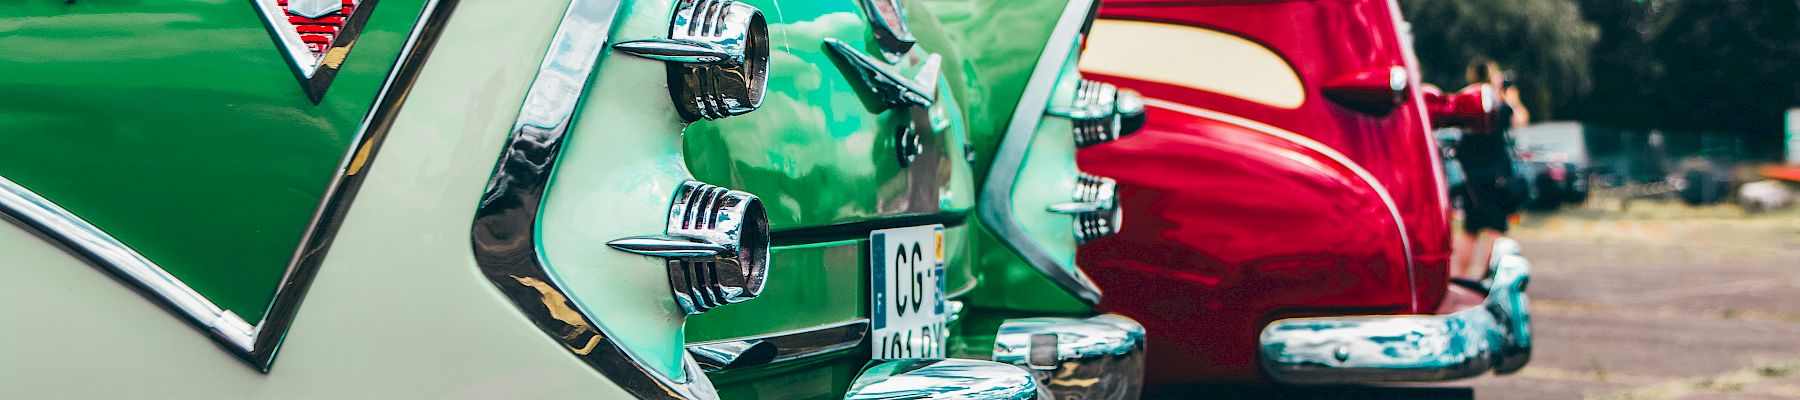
552,198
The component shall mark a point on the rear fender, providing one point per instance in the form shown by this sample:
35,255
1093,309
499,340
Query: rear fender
1247,223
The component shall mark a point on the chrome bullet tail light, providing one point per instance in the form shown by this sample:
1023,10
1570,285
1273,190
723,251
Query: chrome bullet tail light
1096,208
1102,112
718,55
1130,106
717,246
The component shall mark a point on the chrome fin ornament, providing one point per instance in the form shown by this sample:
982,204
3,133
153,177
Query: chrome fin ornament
893,88
717,246
668,246
315,36
681,51
888,20
718,55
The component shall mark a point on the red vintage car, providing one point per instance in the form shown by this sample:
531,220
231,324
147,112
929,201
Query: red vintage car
1285,212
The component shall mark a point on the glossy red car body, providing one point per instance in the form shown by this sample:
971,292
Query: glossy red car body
1239,213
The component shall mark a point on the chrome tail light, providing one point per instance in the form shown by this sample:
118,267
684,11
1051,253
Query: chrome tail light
717,246
718,55
1096,209
1130,106
1102,112
1374,91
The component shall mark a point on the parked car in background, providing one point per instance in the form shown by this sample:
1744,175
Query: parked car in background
547,199
1555,160
1284,214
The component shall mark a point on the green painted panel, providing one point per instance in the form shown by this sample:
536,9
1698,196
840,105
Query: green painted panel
808,286
1003,40
1008,283
1047,176
178,127
821,149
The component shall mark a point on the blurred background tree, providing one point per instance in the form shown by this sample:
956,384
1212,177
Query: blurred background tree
1722,67
1623,64
1732,66
1544,44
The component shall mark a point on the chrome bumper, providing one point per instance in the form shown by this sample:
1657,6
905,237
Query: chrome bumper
1095,358
1367,349
944,379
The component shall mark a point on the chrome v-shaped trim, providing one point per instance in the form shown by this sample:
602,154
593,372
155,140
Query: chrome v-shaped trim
256,342
81,237
504,236
314,71
994,208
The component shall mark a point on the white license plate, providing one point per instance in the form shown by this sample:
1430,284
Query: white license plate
907,292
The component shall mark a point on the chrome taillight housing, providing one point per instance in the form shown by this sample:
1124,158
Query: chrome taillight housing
1096,208
1102,112
1130,106
717,246
718,55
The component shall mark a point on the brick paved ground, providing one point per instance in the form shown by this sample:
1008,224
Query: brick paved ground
1640,301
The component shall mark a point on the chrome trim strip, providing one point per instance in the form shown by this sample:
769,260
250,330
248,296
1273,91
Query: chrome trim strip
1387,199
668,246
996,200
504,232
1403,348
859,230
82,238
255,343
962,291
781,346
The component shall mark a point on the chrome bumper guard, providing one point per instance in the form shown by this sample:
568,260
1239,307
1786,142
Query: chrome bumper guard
1095,358
944,379
1368,349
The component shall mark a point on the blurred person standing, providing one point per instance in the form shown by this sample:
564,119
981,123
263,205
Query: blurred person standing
1494,190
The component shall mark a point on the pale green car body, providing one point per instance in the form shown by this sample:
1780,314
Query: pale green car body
400,306
397,310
